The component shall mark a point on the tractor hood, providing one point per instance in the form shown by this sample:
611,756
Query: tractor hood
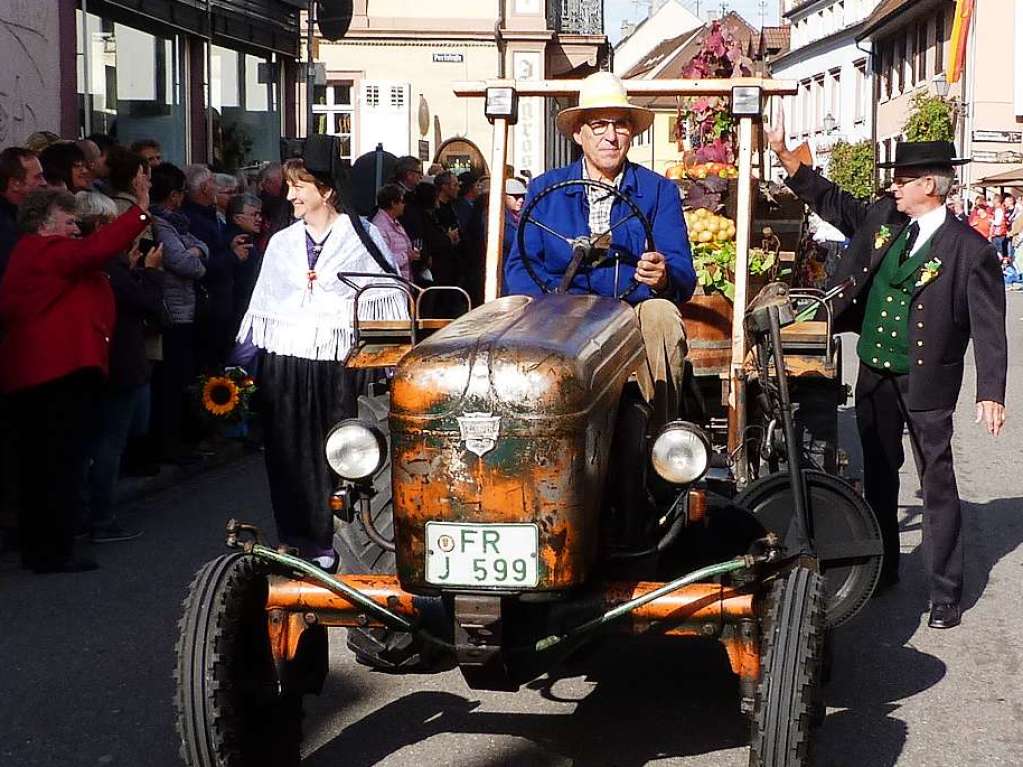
505,419
544,358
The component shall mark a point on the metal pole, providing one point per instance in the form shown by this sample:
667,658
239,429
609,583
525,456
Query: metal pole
209,82
87,68
310,78
801,531
379,168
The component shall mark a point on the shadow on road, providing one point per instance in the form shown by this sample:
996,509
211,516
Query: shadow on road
650,700
876,667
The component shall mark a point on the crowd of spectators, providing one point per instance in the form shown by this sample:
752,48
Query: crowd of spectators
122,278
1000,221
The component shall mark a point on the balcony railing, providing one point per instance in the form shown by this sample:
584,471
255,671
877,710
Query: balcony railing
576,17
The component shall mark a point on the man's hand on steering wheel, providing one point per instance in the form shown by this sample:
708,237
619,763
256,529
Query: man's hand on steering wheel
652,271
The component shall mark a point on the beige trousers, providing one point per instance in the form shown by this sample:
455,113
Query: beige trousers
660,375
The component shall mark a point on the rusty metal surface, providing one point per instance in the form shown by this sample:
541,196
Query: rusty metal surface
697,603
478,642
304,596
552,370
377,355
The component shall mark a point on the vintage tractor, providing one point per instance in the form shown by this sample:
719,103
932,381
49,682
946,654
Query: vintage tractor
504,498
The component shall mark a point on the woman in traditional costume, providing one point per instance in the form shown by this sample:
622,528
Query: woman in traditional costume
300,323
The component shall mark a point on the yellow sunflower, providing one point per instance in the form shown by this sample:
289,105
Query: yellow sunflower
220,395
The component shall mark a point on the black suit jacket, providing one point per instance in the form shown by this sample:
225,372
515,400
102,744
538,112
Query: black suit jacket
966,299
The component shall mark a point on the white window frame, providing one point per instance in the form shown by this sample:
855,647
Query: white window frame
332,109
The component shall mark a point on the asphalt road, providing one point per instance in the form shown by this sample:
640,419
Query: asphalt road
87,658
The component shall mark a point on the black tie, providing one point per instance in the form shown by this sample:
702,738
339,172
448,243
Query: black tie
914,231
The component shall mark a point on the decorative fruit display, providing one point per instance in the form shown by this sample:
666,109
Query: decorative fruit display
703,170
705,226
719,169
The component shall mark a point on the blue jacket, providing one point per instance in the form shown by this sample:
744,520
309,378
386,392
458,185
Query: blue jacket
567,212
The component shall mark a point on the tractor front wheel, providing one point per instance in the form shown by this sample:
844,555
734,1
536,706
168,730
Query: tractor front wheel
785,711
232,710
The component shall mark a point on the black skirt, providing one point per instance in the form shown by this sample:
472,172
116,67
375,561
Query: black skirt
300,400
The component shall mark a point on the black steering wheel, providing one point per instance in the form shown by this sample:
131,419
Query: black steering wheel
586,250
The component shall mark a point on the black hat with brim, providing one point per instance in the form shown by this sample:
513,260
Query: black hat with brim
919,154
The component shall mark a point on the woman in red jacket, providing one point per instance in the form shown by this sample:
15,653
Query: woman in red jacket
57,316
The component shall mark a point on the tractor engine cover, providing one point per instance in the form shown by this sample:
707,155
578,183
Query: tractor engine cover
506,417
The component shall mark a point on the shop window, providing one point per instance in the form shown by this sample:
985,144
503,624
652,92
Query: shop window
130,84
244,97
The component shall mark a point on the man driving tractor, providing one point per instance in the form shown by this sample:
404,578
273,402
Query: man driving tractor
652,276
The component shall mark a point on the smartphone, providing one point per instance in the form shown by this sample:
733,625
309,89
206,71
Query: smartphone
145,245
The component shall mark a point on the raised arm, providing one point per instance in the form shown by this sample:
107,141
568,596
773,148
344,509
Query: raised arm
828,200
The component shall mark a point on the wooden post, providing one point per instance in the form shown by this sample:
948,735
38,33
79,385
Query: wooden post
495,214
737,403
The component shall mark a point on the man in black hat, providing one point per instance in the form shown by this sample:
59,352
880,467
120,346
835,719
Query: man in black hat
922,285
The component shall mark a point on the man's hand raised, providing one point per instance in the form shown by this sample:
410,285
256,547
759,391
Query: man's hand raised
774,132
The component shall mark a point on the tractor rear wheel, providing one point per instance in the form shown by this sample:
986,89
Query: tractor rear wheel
785,711
231,709
382,649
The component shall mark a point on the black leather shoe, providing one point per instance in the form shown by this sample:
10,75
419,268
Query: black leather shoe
944,616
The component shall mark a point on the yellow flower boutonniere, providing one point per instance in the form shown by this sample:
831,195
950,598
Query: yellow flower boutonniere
883,237
930,271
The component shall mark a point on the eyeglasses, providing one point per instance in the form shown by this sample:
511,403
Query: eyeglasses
901,181
599,127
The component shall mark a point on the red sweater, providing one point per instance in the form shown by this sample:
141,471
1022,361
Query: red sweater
56,305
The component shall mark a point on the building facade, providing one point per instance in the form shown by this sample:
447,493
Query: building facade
657,148
667,20
389,79
212,80
910,43
833,73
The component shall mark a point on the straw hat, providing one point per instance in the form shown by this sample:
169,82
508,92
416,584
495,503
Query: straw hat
602,91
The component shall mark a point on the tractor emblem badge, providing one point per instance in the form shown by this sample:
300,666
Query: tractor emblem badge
479,432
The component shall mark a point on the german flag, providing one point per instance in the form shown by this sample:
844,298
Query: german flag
957,43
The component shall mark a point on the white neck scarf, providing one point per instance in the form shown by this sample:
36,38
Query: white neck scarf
292,315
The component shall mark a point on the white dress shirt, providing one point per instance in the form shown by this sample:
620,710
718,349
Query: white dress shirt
929,223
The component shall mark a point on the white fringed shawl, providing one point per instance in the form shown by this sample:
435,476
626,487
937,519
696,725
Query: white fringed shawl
285,317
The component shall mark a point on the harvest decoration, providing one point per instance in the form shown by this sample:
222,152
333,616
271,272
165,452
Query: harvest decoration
227,396
715,266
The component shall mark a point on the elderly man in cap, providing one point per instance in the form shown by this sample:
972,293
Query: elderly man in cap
922,285
603,125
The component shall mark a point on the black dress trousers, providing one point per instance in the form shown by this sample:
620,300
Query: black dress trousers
300,401
881,416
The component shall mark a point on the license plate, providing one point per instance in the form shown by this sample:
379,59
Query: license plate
481,555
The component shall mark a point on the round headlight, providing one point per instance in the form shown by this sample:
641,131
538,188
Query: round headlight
681,453
355,450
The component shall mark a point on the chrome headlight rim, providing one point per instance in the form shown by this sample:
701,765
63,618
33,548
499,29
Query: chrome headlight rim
658,447
370,432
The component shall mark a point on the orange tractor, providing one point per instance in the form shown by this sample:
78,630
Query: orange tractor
502,499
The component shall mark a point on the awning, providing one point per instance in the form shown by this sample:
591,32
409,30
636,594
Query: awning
1012,177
